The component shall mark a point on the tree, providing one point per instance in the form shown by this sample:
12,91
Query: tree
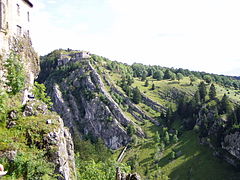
175,139
146,83
157,137
158,75
202,91
172,76
167,74
39,91
153,86
192,79
15,74
137,97
179,76
212,92
173,155
162,146
144,76
207,78
166,138
225,106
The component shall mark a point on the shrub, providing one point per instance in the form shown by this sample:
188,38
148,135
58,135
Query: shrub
39,90
15,74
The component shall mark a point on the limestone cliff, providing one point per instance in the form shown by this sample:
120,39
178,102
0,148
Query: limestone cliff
57,141
86,107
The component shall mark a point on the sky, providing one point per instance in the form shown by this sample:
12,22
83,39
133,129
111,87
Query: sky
201,35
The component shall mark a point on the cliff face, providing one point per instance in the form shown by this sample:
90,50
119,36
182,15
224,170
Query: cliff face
226,144
87,108
55,139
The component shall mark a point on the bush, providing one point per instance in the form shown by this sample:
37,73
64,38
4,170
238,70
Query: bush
15,74
39,90
29,166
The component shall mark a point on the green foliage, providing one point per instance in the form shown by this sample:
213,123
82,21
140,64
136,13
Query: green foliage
212,92
137,97
88,150
179,76
225,106
207,78
3,99
153,87
175,138
146,83
39,91
192,79
29,166
89,170
131,130
15,74
169,75
158,75
202,91
166,138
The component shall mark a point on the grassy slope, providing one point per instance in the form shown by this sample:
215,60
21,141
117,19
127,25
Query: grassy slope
197,161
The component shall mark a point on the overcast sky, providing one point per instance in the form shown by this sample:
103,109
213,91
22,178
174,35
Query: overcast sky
201,35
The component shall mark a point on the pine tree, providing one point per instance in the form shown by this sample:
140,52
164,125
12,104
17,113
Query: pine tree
175,139
137,98
157,138
146,83
202,91
225,106
212,92
153,87
166,138
144,76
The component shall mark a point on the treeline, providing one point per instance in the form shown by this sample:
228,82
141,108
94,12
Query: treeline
163,73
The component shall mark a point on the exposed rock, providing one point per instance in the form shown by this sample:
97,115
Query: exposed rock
132,107
86,107
124,176
49,121
63,156
10,155
34,108
11,124
13,115
231,143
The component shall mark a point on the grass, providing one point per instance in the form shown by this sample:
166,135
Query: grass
159,94
194,162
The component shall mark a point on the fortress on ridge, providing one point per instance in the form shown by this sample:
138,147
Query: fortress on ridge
15,18
73,57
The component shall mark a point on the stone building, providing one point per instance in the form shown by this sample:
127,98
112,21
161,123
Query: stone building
15,18
73,57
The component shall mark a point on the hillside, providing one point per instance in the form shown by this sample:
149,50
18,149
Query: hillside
176,123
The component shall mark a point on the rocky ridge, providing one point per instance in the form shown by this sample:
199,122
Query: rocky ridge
87,108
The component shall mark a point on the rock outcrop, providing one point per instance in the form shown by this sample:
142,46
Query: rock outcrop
63,157
87,108
58,142
225,145
124,176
